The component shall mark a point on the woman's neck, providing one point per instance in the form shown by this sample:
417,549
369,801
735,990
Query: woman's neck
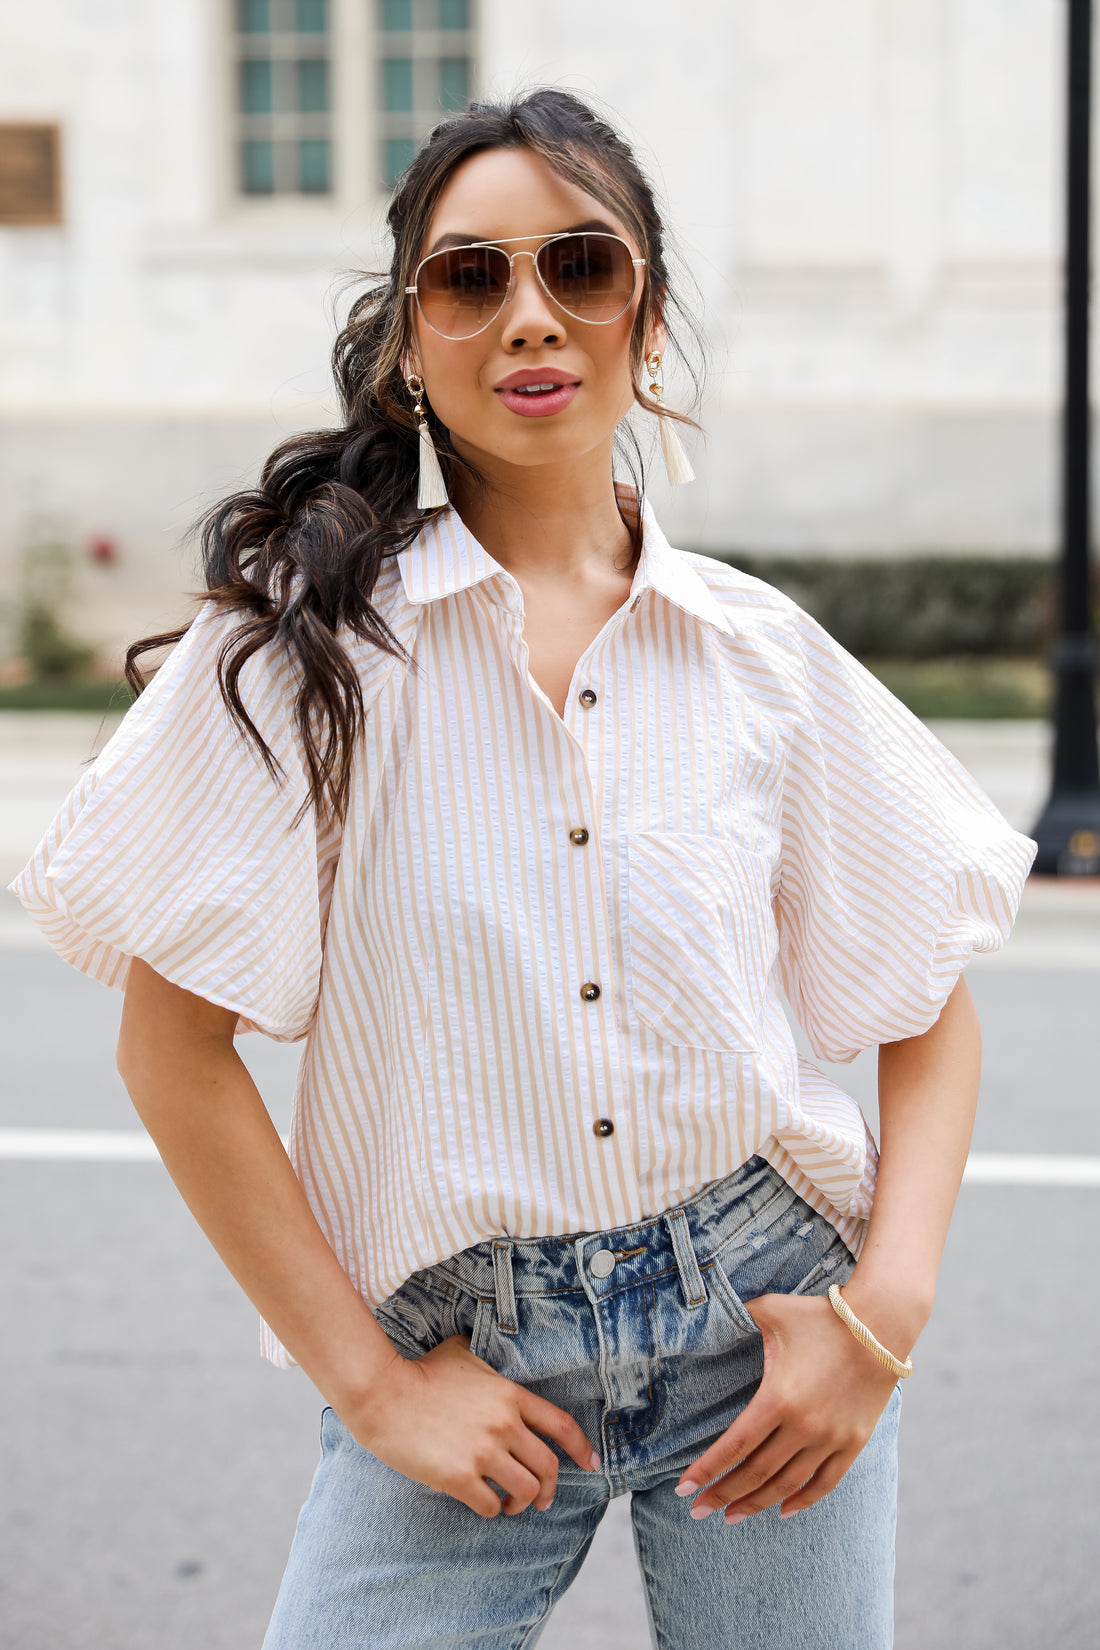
549,523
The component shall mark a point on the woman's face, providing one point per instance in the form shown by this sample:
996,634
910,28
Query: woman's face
498,196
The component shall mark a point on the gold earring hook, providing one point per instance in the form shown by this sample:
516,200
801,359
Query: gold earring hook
415,386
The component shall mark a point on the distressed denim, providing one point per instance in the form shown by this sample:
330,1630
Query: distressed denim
654,1359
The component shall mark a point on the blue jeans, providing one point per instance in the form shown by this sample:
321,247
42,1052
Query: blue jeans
654,1360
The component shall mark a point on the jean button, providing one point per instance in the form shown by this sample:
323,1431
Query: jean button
602,1263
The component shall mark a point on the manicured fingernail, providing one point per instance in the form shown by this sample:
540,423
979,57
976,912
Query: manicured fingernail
700,1512
790,1514
595,1463
688,1487
735,1517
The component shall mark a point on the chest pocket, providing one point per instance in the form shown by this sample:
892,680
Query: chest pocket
702,939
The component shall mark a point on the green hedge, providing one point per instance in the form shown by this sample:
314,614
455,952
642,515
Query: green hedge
74,695
919,607
978,686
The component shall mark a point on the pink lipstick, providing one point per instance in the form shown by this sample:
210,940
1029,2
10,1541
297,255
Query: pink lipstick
537,392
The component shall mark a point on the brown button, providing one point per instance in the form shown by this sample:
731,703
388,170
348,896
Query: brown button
603,1126
587,697
634,603
579,836
589,991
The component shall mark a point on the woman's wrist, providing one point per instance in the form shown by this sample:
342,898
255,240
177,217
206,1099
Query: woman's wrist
894,1311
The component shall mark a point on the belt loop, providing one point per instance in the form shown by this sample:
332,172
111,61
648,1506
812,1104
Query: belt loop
695,1290
505,1289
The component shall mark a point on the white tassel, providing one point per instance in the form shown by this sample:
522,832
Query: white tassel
432,489
677,465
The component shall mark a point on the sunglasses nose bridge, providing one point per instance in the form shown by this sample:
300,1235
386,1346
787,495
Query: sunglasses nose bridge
540,281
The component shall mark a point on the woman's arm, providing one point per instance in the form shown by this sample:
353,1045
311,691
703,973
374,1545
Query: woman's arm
822,1392
447,1419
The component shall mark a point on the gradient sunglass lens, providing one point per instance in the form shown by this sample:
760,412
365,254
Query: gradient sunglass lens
590,276
460,290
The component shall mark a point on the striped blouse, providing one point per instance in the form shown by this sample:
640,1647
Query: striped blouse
539,969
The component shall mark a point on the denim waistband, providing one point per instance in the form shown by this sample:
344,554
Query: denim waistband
683,1237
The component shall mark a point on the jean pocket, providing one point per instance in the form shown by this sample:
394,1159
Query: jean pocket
702,938
722,1290
789,1249
417,1316
836,1265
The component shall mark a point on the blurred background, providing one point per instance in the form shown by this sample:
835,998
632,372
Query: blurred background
865,192
867,195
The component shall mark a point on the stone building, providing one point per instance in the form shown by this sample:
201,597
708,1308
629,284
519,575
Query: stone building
867,193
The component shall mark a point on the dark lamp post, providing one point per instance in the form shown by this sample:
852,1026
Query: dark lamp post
1068,832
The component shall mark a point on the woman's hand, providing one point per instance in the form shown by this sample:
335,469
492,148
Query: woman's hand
817,1405
449,1421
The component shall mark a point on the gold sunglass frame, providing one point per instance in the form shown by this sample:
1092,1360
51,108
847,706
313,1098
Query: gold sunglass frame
413,291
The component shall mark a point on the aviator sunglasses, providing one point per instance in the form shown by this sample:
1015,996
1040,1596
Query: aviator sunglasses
461,290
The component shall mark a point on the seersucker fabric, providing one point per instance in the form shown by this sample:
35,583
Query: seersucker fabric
732,811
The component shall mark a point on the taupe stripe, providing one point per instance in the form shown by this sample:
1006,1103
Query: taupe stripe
761,814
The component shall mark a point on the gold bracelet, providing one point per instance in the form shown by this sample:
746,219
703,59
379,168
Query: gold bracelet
864,1337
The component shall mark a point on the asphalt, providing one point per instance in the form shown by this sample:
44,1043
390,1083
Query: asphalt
154,1464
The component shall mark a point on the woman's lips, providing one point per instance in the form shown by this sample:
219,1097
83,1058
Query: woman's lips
535,401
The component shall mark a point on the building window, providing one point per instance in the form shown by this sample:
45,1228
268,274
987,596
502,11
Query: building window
426,67
284,100
30,173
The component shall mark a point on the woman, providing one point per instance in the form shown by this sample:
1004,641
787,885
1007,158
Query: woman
522,819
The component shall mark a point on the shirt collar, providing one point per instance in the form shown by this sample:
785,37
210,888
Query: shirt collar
664,570
444,558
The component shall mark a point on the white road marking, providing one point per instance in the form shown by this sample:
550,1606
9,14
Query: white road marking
1024,1169
80,1145
135,1146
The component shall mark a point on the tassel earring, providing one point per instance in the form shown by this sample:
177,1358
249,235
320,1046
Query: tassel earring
431,489
677,466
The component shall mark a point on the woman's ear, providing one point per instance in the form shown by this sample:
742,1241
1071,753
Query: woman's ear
656,338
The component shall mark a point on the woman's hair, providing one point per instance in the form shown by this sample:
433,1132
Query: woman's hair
298,557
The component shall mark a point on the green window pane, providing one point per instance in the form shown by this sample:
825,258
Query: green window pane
397,16
454,79
454,14
397,154
254,16
397,83
257,167
312,85
311,16
313,166
256,86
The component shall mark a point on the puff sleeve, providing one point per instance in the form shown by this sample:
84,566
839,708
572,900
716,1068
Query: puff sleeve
179,847
895,865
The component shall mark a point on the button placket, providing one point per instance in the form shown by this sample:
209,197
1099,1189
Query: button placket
594,933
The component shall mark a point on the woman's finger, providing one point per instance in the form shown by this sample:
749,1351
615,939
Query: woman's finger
472,1491
826,1478
547,1418
519,1485
752,1429
789,1479
539,1459
750,1474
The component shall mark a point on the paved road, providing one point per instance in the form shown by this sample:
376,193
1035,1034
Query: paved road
153,1464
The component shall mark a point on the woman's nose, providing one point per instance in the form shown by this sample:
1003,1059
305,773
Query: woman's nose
529,315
